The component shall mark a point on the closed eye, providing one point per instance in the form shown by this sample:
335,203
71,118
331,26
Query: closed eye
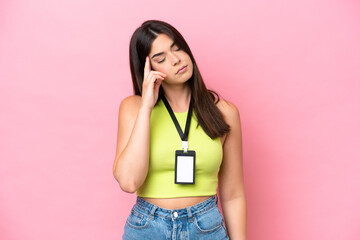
165,58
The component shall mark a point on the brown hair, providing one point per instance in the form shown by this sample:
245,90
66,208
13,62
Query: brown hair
208,115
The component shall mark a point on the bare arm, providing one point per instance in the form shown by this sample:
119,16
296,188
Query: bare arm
231,181
132,152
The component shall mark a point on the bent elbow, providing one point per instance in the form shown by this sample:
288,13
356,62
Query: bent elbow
126,185
128,188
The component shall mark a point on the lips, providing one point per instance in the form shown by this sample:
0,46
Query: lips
181,69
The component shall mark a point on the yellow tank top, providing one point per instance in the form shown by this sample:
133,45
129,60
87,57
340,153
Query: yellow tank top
164,141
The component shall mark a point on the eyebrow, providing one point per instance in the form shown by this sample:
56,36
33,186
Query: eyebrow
157,54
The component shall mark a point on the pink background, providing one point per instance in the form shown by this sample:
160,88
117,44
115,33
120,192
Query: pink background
292,69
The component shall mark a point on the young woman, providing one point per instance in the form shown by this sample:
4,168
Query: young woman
176,141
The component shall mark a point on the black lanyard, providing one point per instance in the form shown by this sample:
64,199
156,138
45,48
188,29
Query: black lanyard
183,136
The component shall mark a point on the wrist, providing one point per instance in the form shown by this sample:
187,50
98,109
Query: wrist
145,110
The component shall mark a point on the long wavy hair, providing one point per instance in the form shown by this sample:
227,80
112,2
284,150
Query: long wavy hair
207,114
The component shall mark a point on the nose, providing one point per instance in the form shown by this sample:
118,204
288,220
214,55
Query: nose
174,59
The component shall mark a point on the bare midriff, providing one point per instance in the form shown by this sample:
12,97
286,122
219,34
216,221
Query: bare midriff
176,203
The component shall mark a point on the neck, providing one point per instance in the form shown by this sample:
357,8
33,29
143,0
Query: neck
178,96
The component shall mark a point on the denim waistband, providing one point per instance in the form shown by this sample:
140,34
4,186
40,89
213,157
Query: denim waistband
152,209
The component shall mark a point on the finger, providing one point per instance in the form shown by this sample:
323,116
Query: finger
160,79
155,74
157,83
151,80
163,74
147,67
157,86
155,77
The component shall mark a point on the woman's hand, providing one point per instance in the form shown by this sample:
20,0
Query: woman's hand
151,85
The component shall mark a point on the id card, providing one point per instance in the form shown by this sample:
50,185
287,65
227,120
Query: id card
184,167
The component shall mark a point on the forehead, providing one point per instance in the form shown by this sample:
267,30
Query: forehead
161,42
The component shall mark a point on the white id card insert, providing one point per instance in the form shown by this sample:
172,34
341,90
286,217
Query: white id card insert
184,167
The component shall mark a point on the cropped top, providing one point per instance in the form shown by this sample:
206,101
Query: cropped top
164,141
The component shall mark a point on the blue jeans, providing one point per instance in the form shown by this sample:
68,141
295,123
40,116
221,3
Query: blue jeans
199,221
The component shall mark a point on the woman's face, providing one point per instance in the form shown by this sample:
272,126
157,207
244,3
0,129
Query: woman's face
166,57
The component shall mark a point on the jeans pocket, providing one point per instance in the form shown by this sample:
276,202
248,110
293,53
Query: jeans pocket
137,220
209,220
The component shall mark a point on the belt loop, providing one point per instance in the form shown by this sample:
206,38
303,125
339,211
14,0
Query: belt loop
217,198
189,212
152,212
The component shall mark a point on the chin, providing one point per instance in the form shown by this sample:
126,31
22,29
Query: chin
190,74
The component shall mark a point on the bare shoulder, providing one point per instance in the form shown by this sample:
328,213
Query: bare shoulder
130,105
229,111
232,117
